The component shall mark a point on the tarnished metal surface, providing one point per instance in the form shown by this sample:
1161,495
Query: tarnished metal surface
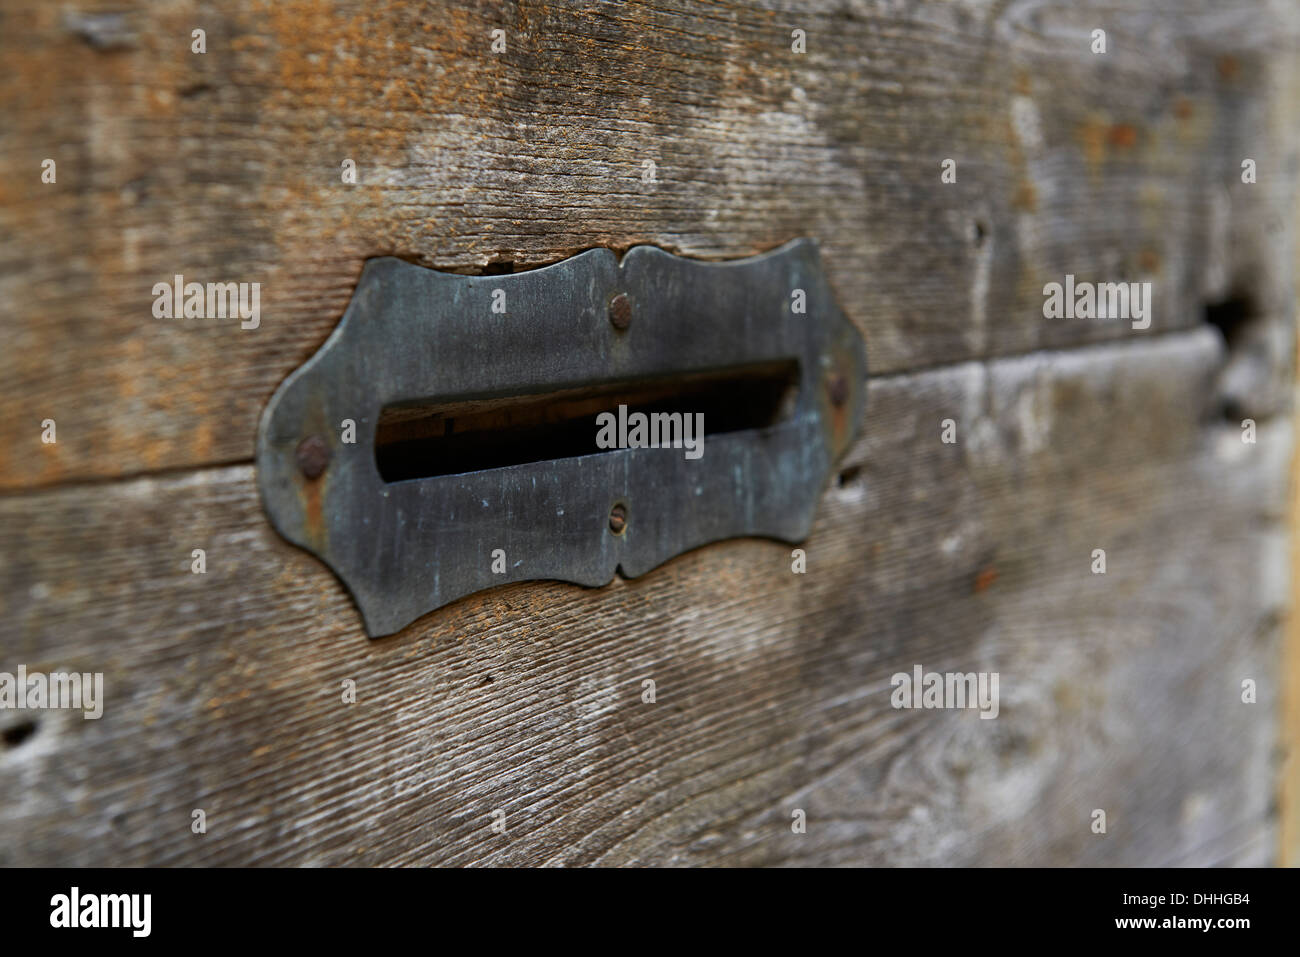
405,548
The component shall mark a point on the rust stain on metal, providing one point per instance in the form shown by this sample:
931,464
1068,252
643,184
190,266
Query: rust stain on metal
838,409
313,513
838,388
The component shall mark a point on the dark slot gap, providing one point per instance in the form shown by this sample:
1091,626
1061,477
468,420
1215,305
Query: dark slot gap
1230,316
419,440
16,734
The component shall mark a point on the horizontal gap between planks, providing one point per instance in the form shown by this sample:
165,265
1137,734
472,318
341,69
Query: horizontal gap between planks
181,471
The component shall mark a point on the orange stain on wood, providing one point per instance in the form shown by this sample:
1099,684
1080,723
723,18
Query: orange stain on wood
1092,138
1098,136
1026,196
1122,136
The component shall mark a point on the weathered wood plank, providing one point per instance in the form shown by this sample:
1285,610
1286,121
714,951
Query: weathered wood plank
225,166
1118,691
1289,718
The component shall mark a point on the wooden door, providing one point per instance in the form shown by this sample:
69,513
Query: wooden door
952,159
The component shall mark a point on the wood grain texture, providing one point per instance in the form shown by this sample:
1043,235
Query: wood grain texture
1289,720
225,166
1118,691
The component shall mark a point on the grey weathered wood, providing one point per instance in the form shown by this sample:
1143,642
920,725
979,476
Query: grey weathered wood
1119,691
225,166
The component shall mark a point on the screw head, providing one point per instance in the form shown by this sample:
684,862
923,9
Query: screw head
838,387
618,519
313,456
620,311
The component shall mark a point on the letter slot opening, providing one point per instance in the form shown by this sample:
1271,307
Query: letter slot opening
415,440
476,436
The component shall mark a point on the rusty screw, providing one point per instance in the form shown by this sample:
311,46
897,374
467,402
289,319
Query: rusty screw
313,455
617,519
838,387
620,311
